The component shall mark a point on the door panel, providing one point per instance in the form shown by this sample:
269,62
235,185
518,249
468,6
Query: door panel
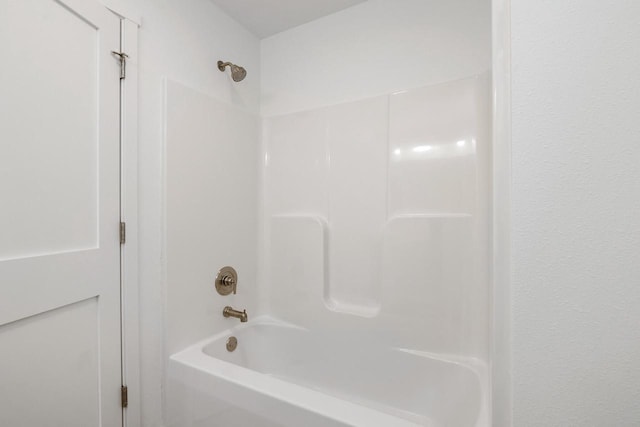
55,368
59,216
53,144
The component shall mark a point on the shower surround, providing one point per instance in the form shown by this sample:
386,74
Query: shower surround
368,297
376,254
376,217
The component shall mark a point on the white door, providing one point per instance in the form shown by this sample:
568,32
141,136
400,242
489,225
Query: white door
59,215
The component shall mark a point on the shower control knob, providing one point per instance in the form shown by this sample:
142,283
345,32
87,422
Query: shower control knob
226,280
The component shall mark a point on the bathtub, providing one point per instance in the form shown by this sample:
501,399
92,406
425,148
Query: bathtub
281,375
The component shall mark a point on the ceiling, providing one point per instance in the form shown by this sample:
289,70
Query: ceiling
267,17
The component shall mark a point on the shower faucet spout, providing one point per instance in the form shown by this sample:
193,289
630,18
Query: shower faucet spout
230,312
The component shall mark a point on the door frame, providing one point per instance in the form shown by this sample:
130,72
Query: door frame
129,283
500,356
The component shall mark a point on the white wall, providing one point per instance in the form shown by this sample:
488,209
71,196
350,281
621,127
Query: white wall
576,212
375,48
179,41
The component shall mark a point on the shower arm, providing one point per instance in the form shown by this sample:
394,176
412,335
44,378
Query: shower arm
223,65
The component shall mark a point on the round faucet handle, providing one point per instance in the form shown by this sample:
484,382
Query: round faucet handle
226,280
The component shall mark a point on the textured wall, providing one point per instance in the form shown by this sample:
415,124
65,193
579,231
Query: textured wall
576,213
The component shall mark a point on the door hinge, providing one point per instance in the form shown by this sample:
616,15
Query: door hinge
123,233
122,57
124,396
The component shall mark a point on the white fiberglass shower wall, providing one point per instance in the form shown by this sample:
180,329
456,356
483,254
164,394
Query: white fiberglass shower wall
376,138
376,217
373,229
377,161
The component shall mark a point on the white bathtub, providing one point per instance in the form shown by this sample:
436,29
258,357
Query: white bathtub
282,375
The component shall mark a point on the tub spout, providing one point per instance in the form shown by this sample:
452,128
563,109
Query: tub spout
230,312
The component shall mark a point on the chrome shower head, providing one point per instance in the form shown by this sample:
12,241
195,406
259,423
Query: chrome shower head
237,72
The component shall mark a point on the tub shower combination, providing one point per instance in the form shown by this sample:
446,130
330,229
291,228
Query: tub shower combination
375,273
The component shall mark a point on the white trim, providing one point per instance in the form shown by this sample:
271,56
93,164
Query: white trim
501,394
163,248
123,10
129,214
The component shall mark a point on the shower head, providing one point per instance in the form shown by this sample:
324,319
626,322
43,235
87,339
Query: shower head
237,72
